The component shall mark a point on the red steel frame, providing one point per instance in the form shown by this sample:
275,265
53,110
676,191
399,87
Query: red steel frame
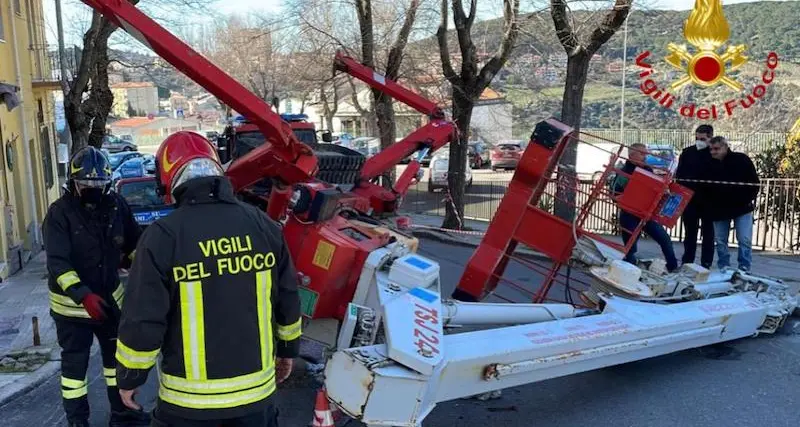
519,219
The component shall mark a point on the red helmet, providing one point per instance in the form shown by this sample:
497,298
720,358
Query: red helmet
182,156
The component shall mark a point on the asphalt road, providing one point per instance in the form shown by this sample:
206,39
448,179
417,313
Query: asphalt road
751,382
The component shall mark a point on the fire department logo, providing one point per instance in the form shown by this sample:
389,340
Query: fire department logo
706,64
707,30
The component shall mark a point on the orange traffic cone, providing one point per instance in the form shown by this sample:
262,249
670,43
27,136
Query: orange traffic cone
323,416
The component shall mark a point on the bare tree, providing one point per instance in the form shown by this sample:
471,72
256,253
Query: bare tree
87,97
468,85
384,108
579,54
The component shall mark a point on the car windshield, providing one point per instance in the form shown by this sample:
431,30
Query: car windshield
247,141
116,159
509,147
140,193
440,164
306,136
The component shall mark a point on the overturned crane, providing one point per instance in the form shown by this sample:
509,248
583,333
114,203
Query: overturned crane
393,360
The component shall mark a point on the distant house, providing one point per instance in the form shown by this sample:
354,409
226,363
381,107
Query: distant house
151,131
492,117
134,99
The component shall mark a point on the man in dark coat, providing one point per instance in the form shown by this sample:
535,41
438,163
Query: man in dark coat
693,165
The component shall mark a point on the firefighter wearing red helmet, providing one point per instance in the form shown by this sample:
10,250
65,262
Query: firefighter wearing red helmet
214,291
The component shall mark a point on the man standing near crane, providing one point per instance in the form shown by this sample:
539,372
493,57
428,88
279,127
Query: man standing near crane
694,164
217,298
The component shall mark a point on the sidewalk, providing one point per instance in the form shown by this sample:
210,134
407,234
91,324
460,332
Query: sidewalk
24,297
778,265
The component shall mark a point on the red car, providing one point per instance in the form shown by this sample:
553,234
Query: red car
506,156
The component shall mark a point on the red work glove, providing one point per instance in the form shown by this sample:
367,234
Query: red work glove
95,306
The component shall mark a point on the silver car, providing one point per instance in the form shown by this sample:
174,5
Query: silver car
438,173
115,144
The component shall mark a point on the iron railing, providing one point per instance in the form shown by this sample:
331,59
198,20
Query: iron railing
777,213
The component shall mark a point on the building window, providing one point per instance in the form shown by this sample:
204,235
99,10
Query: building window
47,159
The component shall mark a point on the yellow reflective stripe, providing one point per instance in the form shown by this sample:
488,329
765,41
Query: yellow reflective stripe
70,383
74,394
68,279
119,295
133,359
66,307
264,307
132,255
217,401
290,332
72,388
217,386
193,330
111,376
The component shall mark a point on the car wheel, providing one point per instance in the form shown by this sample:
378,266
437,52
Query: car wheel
469,184
127,149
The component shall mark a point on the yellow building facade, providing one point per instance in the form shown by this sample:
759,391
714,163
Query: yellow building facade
28,173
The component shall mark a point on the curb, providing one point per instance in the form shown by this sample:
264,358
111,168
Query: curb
446,238
28,382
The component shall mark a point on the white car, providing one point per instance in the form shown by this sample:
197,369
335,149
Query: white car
438,173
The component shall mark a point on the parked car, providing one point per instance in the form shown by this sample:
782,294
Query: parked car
115,144
506,156
438,176
131,168
116,159
149,163
482,154
662,157
141,195
367,146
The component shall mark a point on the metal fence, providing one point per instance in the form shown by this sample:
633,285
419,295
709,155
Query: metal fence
752,142
777,213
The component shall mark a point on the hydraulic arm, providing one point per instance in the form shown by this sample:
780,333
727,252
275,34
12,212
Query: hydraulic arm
283,157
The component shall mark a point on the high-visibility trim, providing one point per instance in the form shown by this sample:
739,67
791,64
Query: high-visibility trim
264,308
110,375
71,383
290,332
68,279
133,359
65,306
218,401
73,389
193,330
217,386
132,255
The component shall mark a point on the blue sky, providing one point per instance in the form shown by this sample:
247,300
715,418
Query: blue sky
73,9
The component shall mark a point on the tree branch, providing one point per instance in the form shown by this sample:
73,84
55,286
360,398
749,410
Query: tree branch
564,31
511,26
396,51
611,23
444,50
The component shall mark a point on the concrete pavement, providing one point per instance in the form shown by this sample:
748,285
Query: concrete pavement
24,307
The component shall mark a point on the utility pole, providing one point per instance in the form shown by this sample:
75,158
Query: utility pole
62,56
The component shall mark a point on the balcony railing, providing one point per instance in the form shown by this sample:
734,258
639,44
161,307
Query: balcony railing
46,66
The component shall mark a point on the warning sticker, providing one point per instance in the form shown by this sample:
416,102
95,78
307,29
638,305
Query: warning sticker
324,255
308,301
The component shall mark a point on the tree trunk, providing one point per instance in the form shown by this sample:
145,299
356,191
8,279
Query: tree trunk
384,115
463,104
101,97
78,125
571,109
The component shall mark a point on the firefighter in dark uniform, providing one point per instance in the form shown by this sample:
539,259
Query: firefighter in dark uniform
214,291
89,233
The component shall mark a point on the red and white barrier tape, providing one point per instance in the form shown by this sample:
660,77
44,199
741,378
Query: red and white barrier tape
707,181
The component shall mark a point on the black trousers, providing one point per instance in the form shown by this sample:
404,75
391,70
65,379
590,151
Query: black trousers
266,418
75,339
693,222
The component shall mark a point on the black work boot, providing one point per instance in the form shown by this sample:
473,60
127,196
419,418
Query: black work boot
129,418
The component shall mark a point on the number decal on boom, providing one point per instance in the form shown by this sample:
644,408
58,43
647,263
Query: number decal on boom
424,318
